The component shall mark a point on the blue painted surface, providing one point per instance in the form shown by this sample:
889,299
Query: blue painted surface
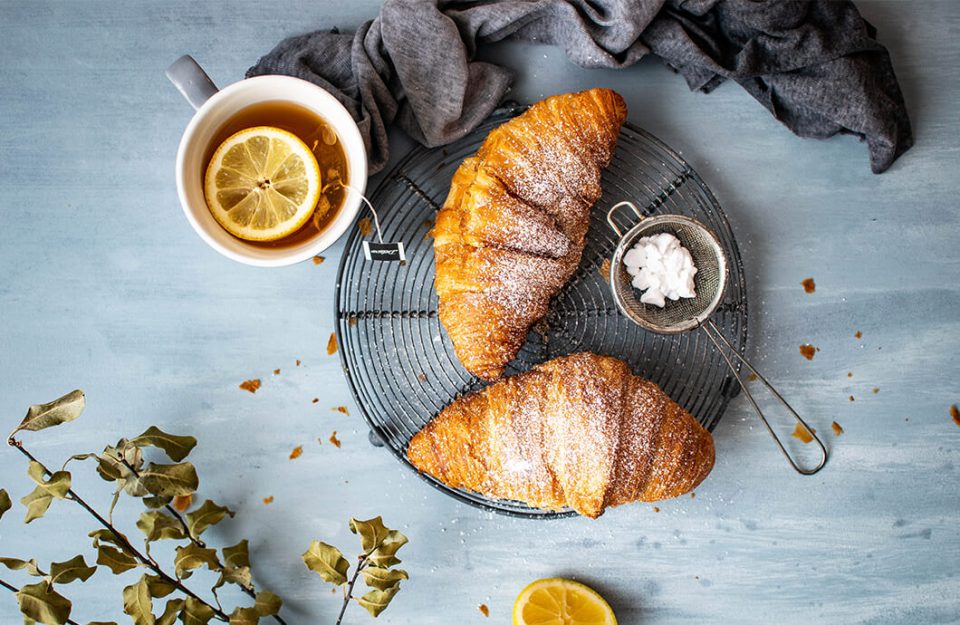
106,287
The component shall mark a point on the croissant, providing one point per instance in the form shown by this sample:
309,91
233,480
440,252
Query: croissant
513,227
579,431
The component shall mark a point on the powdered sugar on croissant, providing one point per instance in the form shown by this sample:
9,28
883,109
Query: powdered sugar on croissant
513,227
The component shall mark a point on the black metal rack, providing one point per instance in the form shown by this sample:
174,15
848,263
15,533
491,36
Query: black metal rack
400,362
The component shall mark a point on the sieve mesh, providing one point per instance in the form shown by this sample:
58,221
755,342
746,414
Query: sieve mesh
398,360
709,281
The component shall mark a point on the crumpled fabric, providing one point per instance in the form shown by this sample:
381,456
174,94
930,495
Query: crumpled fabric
815,65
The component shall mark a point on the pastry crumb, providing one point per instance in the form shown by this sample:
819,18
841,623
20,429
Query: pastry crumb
332,344
366,226
180,503
955,413
342,409
803,433
251,385
809,286
807,351
276,372
297,452
335,440
318,260
858,334
484,610
836,428
604,270
268,500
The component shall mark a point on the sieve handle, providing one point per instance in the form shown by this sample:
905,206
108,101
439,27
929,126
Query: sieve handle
717,337
613,209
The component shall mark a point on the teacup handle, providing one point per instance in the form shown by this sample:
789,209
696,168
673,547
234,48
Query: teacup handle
190,79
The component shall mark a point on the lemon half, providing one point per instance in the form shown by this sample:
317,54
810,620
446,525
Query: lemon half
262,184
556,601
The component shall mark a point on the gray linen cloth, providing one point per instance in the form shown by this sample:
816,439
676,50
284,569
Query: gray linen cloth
815,65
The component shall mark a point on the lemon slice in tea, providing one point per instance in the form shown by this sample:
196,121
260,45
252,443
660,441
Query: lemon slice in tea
262,184
556,601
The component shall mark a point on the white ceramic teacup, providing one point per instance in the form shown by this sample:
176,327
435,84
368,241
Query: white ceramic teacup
213,108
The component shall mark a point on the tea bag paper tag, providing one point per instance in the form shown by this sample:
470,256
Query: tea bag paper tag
390,251
384,251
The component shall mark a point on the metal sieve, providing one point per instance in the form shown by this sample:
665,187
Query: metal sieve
691,313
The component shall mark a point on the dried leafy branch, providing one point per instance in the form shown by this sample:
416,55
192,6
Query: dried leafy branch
156,485
379,546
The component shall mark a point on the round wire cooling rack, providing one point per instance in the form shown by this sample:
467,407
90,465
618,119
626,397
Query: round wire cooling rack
400,362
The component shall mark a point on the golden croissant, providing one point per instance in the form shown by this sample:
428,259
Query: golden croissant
579,431
512,230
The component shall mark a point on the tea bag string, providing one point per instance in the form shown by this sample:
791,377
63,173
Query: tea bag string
363,198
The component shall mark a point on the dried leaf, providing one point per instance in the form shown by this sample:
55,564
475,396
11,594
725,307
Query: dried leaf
62,410
192,557
158,587
115,466
326,561
376,601
43,604
176,447
5,503
155,503
332,344
39,500
170,480
71,570
116,560
238,555
251,386
383,578
267,603
15,564
385,554
206,515
171,612
157,525
196,612
138,603
244,616
37,503
297,452
372,533
236,566
78,457
105,536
